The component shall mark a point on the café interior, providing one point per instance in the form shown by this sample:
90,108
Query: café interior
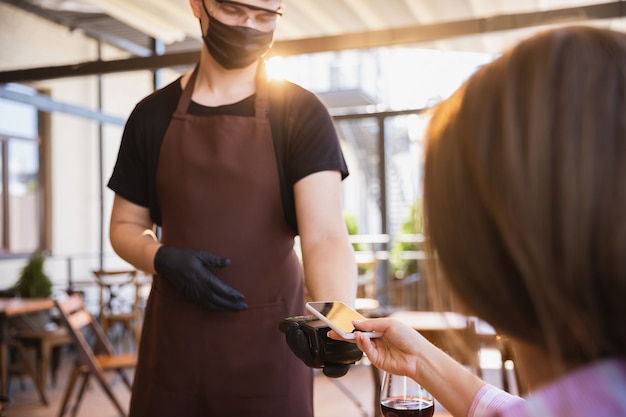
71,72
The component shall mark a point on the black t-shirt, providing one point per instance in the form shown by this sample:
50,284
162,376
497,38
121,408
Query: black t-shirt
303,132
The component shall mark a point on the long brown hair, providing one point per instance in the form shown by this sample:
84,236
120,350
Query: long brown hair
525,193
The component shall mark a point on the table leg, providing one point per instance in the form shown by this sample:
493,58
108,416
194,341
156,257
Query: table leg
4,359
377,386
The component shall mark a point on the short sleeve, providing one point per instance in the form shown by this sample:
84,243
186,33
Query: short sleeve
134,173
129,173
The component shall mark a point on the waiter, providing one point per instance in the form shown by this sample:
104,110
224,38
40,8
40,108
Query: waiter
231,167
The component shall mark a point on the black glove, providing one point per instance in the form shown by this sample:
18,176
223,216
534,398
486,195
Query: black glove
306,337
187,270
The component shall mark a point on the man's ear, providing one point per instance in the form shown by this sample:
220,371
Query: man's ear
196,7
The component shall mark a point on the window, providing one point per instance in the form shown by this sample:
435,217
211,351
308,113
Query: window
21,193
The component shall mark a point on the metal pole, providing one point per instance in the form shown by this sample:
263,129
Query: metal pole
100,167
382,274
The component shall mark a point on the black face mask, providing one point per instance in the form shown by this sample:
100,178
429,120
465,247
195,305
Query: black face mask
235,46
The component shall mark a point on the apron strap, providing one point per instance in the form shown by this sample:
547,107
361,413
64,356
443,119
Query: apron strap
185,98
261,106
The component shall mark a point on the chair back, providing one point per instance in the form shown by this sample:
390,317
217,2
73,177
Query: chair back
81,323
117,291
95,358
121,302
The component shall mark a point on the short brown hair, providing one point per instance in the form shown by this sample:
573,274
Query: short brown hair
525,192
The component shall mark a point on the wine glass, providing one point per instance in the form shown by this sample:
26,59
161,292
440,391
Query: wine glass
401,396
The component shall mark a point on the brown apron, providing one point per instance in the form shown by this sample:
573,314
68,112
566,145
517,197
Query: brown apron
219,191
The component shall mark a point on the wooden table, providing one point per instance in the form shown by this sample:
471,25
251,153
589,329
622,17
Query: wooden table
460,335
10,307
433,326
427,321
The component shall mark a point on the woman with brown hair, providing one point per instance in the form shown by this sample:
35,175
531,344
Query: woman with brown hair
525,212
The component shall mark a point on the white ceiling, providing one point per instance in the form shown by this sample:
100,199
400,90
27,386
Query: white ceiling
369,21
172,20
310,26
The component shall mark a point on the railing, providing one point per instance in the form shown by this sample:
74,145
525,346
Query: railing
74,271
67,272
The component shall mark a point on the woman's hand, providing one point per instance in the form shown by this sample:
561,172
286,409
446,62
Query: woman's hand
403,351
396,351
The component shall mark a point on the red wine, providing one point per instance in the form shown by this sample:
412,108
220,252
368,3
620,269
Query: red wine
407,406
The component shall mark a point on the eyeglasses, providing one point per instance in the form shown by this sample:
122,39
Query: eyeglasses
236,13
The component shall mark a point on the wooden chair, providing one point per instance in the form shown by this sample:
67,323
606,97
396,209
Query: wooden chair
503,345
21,365
38,332
47,343
119,301
97,359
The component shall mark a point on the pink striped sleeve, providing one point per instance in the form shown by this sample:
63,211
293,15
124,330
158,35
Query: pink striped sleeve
489,400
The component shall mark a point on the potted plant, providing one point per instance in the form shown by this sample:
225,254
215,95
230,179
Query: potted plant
33,282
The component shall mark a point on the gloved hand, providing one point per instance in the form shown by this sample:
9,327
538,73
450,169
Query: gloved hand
306,337
187,270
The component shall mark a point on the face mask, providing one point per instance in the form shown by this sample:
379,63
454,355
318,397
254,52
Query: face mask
236,46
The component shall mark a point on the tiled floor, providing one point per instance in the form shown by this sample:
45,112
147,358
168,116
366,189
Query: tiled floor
349,396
